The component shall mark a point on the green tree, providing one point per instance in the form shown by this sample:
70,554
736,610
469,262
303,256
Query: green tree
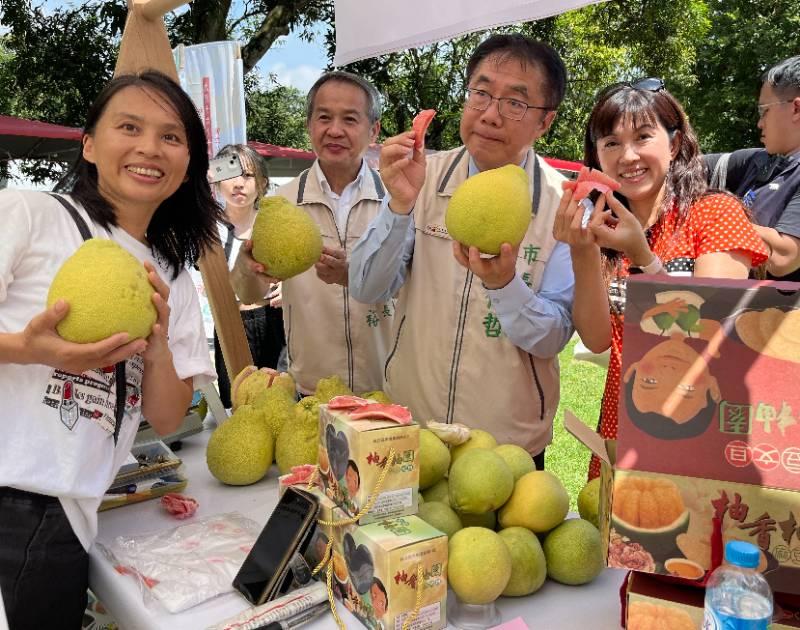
57,60
275,113
745,38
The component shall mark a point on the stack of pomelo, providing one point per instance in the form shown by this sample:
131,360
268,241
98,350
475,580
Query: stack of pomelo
506,520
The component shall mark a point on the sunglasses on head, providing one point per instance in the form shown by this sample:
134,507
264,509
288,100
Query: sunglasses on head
649,84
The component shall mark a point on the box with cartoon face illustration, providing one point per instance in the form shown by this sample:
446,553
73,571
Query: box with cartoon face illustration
329,512
352,456
708,443
382,561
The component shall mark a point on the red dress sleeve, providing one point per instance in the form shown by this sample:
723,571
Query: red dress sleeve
721,225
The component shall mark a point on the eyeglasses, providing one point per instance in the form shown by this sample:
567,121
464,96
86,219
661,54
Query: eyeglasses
763,108
511,108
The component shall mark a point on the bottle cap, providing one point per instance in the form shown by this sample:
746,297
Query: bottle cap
742,554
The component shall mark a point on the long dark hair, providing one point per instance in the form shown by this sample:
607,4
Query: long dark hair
184,225
686,179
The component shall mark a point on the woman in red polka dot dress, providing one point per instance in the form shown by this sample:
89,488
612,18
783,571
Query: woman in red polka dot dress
667,221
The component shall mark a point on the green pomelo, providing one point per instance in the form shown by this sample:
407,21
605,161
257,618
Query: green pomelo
298,441
434,459
480,481
487,520
528,566
331,387
250,383
377,396
574,552
275,406
440,491
491,208
107,291
479,565
518,459
539,502
440,516
589,502
477,439
240,451
286,240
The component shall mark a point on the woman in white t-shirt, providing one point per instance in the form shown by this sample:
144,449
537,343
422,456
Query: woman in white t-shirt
141,182
263,323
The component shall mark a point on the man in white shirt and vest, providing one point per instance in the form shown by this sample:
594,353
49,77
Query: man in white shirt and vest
475,340
327,332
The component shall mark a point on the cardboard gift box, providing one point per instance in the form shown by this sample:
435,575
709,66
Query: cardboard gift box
375,567
352,457
708,444
650,601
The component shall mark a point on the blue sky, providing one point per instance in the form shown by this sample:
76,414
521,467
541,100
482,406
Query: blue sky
295,62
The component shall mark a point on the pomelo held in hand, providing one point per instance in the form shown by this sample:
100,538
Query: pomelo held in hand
286,240
107,291
491,208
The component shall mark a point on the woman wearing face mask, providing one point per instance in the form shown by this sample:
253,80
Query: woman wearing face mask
263,324
140,182
665,221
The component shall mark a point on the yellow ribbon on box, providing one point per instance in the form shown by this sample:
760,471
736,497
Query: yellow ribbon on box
327,560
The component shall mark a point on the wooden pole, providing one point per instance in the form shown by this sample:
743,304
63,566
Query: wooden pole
145,46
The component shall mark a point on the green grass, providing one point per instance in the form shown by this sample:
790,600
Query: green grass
581,391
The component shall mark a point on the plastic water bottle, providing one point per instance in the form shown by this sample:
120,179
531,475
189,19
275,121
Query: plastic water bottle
737,596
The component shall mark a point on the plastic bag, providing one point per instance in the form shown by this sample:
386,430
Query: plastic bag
189,564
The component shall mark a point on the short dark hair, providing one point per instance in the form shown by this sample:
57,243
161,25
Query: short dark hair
686,179
185,224
663,427
784,77
527,51
352,465
373,97
381,588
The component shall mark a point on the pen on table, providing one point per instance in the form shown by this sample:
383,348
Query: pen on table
299,619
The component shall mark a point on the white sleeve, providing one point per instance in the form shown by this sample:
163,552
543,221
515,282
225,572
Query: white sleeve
187,339
16,221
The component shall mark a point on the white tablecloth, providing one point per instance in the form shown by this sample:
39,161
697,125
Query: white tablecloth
594,606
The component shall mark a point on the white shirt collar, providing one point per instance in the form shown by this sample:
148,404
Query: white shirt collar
355,184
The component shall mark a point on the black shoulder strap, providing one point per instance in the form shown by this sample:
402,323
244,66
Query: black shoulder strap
537,184
73,212
301,186
119,368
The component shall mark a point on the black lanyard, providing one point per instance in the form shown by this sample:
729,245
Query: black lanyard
119,368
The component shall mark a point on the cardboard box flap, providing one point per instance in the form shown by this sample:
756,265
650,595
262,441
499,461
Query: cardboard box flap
589,438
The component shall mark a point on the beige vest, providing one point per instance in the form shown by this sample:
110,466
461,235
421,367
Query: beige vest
449,359
327,332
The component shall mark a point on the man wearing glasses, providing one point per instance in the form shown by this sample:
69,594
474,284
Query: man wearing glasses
768,179
475,339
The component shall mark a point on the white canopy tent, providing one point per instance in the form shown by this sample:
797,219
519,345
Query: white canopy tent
382,26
